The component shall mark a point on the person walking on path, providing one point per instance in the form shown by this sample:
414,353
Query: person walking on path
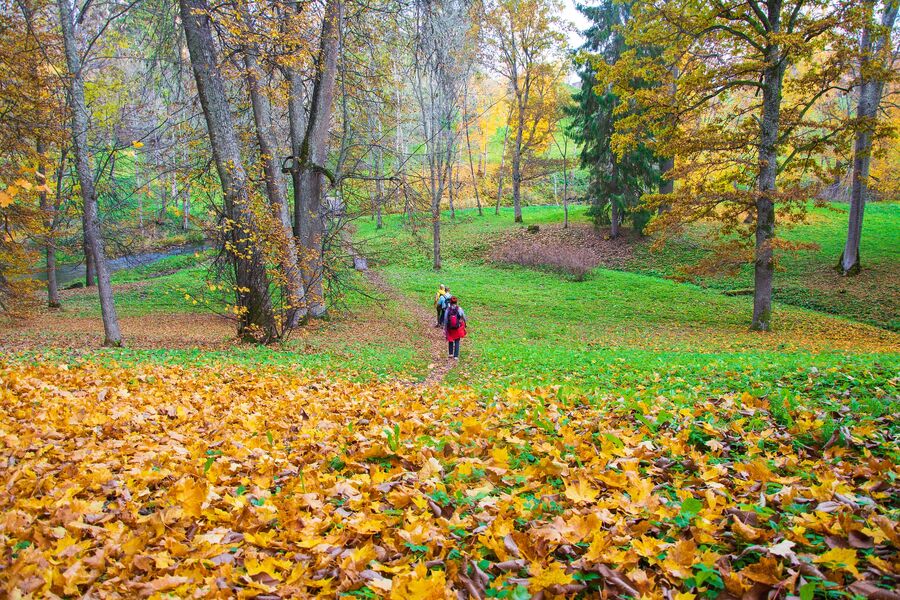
454,327
439,304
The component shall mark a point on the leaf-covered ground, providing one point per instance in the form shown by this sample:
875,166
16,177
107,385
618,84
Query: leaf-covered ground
158,480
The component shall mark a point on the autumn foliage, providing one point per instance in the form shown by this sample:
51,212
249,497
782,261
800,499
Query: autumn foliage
217,482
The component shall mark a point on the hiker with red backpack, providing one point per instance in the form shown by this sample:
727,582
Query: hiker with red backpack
454,327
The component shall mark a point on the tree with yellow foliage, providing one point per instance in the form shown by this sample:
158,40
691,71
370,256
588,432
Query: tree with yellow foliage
735,88
524,39
32,108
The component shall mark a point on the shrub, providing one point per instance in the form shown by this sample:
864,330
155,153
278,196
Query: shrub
575,262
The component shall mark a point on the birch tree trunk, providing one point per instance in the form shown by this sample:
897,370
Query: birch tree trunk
870,92
252,293
185,196
379,187
275,190
91,218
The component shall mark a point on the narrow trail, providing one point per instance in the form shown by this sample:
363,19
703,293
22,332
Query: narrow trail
440,365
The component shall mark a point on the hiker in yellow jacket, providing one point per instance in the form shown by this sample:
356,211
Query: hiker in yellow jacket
440,303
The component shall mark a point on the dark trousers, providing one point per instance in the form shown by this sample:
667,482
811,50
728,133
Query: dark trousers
440,316
453,348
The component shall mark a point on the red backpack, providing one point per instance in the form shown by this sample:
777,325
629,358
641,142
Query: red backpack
454,320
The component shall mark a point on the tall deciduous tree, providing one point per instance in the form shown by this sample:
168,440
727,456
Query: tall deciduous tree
253,302
441,66
283,242
523,37
311,153
80,124
742,127
875,63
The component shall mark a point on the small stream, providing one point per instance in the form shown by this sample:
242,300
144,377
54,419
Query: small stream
69,274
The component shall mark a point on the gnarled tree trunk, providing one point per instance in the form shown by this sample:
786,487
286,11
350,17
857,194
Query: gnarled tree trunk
252,294
313,151
275,190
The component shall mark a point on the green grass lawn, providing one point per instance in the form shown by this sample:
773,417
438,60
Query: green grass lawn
635,335
625,332
804,278
807,277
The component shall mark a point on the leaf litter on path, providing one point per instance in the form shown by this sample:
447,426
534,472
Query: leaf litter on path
437,348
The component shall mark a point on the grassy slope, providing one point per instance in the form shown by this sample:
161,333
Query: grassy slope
624,331
807,278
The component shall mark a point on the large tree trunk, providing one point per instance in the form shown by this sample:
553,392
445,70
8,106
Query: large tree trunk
275,190
297,125
764,262
48,213
252,290
312,156
870,91
517,165
91,218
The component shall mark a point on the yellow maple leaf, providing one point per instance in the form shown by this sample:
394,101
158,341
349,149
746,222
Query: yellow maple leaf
501,457
421,585
544,577
191,493
581,491
7,195
263,539
842,559
269,565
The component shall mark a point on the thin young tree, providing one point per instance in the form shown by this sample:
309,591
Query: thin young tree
441,65
80,125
